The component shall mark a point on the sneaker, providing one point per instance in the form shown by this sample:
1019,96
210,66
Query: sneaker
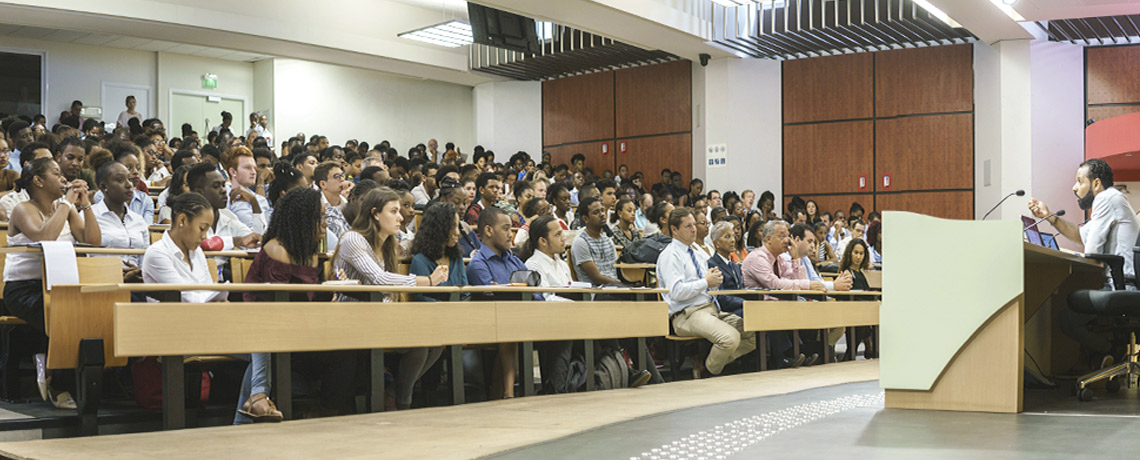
812,360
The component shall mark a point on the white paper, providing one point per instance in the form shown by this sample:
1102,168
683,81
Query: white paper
60,266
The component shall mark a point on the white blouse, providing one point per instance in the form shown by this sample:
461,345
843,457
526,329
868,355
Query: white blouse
130,233
165,263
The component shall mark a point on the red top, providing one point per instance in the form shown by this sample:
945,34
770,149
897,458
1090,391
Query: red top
267,270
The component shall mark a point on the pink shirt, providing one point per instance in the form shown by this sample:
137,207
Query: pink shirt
760,272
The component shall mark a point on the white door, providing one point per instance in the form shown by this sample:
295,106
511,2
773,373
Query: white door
203,113
115,100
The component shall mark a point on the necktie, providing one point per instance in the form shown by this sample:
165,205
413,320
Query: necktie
697,265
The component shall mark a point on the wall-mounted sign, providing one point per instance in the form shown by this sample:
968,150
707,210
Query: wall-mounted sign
716,156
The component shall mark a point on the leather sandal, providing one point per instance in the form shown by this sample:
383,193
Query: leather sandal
63,400
272,415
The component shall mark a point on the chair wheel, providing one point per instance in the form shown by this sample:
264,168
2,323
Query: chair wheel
1113,385
1085,395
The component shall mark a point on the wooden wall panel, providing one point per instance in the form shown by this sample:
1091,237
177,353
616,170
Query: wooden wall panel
1103,112
925,153
827,157
832,203
578,109
949,205
593,152
652,154
924,80
654,99
828,88
1112,74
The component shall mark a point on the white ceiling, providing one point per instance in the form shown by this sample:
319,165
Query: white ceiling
124,42
1043,10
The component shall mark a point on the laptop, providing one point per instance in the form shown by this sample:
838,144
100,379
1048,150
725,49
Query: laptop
1032,234
1050,241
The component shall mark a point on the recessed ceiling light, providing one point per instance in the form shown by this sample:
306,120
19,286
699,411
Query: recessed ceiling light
934,11
450,34
1004,6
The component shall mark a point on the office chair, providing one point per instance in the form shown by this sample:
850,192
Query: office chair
1123,307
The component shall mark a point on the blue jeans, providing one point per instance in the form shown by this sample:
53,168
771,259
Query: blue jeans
256,380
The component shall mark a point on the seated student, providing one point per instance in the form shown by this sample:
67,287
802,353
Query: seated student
338,220
408,211
8,177
854,261
875,241
366,251
692,311
329,179
250,208
624,225
177,187
285,178
178,257
290,256
181,158
702,233
545,248
559,196
140,202
533,210
8,202
857,229
489,188
803,252
204,179
592,251
740,252
493,264
724,239
48,215
523,193
824,251
120,226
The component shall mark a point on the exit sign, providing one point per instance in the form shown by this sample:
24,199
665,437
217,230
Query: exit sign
209,81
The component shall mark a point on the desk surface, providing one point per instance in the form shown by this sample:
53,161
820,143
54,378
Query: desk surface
131,287
757,292
1042,254
121,251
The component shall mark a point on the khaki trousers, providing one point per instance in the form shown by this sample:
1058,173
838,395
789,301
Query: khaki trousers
724,330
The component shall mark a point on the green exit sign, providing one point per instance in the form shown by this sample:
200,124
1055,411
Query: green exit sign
209,81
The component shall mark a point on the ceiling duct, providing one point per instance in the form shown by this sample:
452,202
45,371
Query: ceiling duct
793,29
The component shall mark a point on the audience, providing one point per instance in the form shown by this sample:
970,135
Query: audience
544,252
593,252
120,226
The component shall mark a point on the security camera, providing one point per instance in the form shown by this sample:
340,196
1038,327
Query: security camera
705,59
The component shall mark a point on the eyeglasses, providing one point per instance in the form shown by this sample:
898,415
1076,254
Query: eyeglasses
338,176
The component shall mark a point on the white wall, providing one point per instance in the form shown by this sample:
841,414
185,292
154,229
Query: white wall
508,118
738,103
1002,113
78,72
348,103
1057,88
263,95
184,73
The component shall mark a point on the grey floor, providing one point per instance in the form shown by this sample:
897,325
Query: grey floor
849,420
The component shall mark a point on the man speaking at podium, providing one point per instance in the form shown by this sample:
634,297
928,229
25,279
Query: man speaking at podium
1111,229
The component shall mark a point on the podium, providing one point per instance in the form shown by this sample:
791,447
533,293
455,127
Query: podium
964,304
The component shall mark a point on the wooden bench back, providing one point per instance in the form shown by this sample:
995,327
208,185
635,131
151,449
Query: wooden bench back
780,315
72,316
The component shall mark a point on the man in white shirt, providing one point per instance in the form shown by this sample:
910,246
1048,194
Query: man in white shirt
425,192
250,208
693,312
857,230
554,357
1112,228
329,179
207,181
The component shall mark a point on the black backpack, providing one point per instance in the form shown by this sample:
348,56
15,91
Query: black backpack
645,250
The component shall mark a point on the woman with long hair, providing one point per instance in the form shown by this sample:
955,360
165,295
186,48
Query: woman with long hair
290,256
177,187
740,252
435,245
368,252
285,178
56,210
812,211
856,258
625,232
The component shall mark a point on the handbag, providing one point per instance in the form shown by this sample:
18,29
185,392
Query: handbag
525,277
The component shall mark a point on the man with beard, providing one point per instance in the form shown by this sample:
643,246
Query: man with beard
1111,229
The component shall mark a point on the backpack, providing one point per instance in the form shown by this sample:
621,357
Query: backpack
645,250
611,371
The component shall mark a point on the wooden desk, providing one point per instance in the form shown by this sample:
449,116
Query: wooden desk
176,329
647,272
958,341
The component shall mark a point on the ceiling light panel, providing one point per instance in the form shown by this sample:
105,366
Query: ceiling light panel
451,34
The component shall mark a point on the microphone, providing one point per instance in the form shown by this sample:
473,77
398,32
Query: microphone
1018,193
1057,214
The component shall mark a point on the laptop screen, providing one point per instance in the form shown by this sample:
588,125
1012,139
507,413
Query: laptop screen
1031,233
1049,241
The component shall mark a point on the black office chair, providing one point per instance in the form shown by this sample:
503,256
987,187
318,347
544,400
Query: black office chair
1123,308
